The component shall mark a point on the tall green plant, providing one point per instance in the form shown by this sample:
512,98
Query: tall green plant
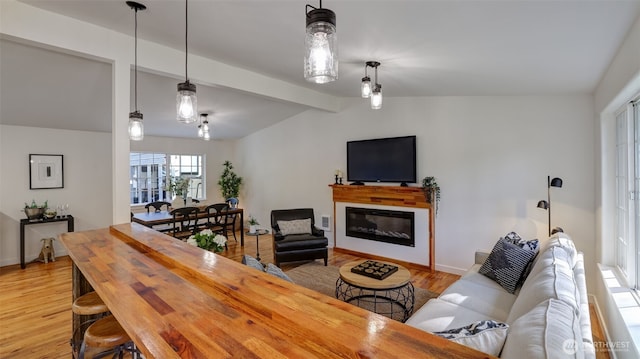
229,181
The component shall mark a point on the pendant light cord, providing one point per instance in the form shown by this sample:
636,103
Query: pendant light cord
136,61
186,38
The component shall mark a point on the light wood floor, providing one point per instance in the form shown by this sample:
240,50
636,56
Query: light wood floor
35,314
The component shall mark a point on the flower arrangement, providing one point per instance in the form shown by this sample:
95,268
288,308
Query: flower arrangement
207,240
179,186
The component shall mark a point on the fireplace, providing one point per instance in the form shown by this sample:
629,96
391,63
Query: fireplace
397,227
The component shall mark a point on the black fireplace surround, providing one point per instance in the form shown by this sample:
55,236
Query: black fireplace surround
381,225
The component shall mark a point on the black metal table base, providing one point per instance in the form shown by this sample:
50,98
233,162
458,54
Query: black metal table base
395,303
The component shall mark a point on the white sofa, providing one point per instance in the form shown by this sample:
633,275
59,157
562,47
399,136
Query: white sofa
547,318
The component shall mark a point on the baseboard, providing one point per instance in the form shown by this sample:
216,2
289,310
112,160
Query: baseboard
380,258
593,300
450,269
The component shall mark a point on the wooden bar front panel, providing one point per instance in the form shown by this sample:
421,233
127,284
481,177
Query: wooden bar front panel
179,301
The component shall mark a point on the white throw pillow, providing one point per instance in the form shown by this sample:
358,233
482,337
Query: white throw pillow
296,226
549,330
487,336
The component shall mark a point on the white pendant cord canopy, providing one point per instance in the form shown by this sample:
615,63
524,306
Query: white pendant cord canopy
186,101
136,127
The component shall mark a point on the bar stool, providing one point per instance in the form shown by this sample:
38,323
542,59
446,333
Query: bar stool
107,333
92,306
89,304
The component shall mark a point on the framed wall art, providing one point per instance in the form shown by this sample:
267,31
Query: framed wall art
45,171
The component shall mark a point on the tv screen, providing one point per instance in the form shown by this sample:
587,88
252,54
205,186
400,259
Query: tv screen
382,160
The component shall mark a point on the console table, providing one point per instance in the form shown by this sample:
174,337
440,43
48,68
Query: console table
27,222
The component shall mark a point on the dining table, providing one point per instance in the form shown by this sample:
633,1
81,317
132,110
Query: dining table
153,218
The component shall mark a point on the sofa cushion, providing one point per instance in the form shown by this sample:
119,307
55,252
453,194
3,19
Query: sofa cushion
296,226
486,336
252,262
551,256
300,242
275,271
473,274
514,238
555,281
506,264
494,302
549,330
438,315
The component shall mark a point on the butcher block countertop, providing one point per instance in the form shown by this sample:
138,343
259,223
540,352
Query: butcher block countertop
179,301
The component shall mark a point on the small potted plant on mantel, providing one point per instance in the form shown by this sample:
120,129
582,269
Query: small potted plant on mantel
431,190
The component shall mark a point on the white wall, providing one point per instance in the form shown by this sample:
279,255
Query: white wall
490,155
87,185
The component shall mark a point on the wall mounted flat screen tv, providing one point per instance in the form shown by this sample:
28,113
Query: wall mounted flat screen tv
382,160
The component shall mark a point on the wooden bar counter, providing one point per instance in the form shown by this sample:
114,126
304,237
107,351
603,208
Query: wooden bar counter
179,301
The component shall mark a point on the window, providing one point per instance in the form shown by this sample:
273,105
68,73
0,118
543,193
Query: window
627,243
148,175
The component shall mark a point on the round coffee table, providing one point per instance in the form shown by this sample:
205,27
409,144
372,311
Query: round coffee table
392,297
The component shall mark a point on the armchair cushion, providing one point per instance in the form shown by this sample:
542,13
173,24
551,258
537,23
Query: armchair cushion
300,241
296,226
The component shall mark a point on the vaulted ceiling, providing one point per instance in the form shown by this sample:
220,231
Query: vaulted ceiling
427,48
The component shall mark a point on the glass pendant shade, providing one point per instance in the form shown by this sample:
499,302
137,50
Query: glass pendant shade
187,103
321,47
376,98
365,88
200,131
136,128
206,135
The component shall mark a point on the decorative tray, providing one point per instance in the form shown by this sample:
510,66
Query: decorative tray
374,269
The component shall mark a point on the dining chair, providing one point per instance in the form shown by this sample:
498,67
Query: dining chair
157,205
233,204
218,218
185,222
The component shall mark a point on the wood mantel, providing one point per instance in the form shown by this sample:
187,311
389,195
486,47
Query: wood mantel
387,196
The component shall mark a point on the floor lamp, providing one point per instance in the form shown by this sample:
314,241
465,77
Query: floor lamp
555,182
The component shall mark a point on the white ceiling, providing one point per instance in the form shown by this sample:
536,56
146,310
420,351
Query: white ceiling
427,48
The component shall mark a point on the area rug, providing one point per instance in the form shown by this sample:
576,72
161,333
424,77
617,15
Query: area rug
315,276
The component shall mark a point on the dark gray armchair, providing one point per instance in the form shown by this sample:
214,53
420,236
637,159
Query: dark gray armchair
299,240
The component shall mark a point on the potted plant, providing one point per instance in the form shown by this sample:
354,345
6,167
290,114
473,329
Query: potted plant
253,223
229,182
431,190
179,186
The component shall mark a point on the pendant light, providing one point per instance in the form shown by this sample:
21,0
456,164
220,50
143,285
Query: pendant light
186,101
365,87
203,128
321,45
136,128
367,90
